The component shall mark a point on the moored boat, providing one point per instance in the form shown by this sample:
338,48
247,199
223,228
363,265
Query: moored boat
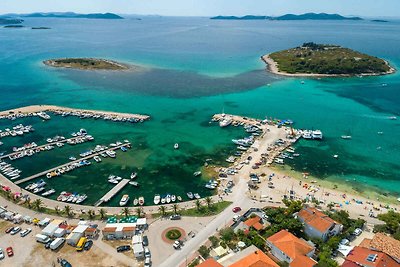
141,201
196,195
124,200
176,146
190,195
196,173
157,199
133,175
135,202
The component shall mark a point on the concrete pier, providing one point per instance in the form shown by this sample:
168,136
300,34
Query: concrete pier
110,194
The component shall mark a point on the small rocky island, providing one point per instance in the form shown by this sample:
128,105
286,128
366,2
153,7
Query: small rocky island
86,64
312,59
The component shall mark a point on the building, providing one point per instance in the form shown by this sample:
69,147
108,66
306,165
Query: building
317,224
249,257
383,243
364,257
291,249
50,229
76,234
119,231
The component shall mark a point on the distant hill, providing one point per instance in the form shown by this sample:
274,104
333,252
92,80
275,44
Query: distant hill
248,17
72,15
8,21
307,16
379,20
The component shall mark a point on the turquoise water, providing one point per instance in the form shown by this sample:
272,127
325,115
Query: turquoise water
197,67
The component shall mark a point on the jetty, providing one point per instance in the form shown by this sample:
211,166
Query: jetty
238,119
37,110
110,194
66,164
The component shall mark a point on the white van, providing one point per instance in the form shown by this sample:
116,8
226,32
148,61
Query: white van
56,243
42,238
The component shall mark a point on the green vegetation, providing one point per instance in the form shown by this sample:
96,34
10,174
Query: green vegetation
173,234
392,224
200,210
204,252
313,58
85,63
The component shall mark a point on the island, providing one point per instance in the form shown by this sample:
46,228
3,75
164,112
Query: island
40,28
72,15
379,20
306,16
13,26
86,64
9,21
313,59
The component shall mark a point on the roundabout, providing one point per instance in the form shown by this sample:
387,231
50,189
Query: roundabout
171,234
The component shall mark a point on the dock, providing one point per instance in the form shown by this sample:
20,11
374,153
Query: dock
39,147
237,119
110,194
66,164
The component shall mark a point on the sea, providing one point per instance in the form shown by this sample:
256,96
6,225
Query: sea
188,70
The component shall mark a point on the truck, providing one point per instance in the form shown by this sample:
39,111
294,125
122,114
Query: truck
42,238
57,243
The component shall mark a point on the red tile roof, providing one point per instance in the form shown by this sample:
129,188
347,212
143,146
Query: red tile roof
316,219
255,259
209,263
109,229
302,261
254,222
386,244
125,229
289,244
359,256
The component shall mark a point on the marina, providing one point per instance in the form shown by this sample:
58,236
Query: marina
110,194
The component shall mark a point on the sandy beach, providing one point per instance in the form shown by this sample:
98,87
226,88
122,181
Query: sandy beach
273,67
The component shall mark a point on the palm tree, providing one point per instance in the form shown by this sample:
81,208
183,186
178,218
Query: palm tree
162,210
102,213
175,207
198,204
68,211
37,204
209,202
139,211
126,211
91,214
330,205
57,209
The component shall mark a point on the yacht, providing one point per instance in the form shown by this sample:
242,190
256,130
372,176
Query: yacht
225,122
157,199
81,198
49,192
176,146
392,118
124,200
110,153
190,195
197,173
316,134
141,201
133,175
307,135
196,195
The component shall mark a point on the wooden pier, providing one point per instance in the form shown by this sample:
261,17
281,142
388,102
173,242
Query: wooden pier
110,194
66,164
36,147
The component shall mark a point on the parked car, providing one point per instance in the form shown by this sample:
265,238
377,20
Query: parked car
25,232
236,209
344,241
65,263
47,245
123,248
15,230
145,241
147,253
147,262
88,245
357,232
175,217
10,251
177,244
9,229
1,254
236,217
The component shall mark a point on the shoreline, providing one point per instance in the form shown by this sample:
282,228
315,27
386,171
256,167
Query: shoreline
53,108
272,66
112,65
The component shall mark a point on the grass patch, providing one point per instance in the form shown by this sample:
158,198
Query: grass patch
173,234
214,209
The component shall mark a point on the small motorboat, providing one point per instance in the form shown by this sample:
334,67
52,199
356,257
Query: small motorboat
49,192
190,195
179,198
134,183
197,173
133,175
176,146
346,136
124,200
173,198
168,198
196,195
141,201
157,199
135,202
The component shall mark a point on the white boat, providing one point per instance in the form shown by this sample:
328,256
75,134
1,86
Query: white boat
196,195
118,178
135,202
176,146
49,192
38,190
316,134
124,200
336,156
392,118
179,198
190,195
197,173
157,199
163,200
225,121
168,198
133,175
141,201
97,158
81,199
346,137
279,161
134,183
173,198
113,181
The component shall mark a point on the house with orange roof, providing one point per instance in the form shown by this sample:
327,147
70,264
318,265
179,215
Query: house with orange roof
317,224
210,263
365,257
291,249
383,243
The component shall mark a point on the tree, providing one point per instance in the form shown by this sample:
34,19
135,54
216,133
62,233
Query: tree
38,204
330,205
392,224
227,234
198,204
126,211
204,251
163,210
102,213
293,206
68,211
209,202
57,210
91,214
139,211
175,207
214,241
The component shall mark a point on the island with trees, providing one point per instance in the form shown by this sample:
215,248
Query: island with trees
86,64
306,16
313,59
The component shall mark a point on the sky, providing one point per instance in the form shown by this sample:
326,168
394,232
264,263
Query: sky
377,8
